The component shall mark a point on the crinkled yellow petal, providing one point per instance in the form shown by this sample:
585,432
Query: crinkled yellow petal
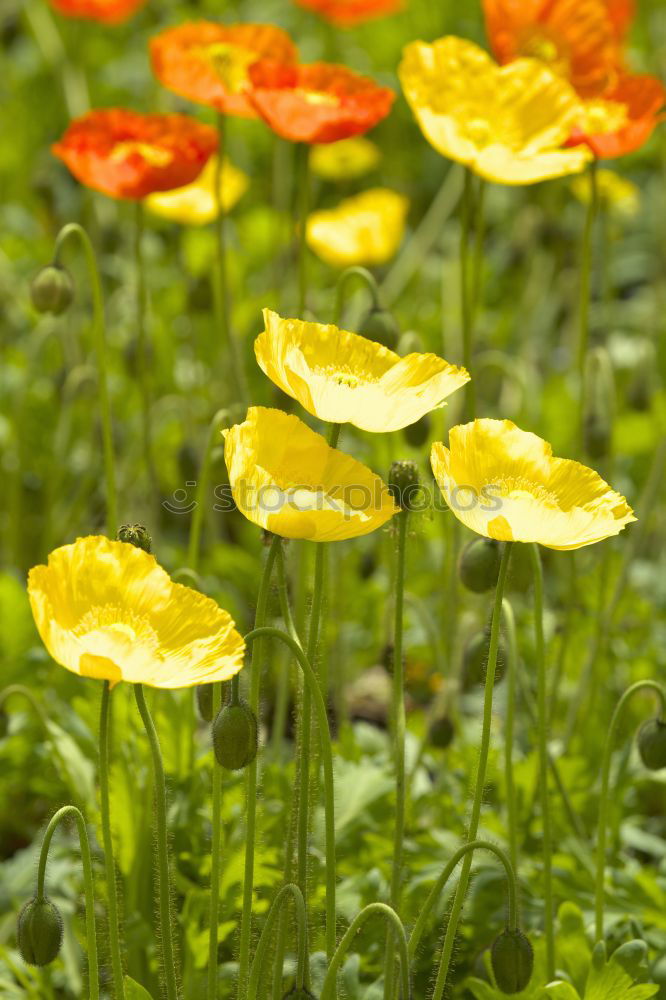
504,483
345,159
506,123
106,609
364,230
196,204
287,479
342,377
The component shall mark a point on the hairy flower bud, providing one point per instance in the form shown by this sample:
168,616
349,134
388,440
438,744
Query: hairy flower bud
52,290
652,744
380,326
135,534
235,736
512,960
404,484
204,697
39,932
479,565
475,660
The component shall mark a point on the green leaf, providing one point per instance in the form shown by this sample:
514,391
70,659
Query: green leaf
134,991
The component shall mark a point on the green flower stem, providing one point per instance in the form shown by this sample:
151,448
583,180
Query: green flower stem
223,297
479,238
312,685
399,725
215,851
303,195
73,229
262,947
343,282
466,290
542,730
166,930
585,275
646,685
512,656
89,888
142,360
251,802
196,523
107,841
461,891
434,894
50,43
328,991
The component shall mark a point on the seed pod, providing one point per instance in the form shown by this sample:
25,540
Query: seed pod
417,434
379,325
441,732
512,960
478,567
52,290
135,534
204,696
39,932
235,736
475,660
403,483
652,744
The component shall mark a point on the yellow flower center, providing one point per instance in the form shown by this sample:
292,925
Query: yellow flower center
231,63
603,117
155,155
318,98
506,485
539,45
478,131
344,375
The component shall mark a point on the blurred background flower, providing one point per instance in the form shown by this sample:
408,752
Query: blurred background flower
366,229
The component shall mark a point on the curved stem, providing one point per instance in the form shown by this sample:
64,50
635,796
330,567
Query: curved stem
399,725
166,931
512,656
343,281
215,850
542,729
204,476
447,872
585,275
73,229
461,891
107,840
262,947
645,685
312,685
89,888
251,803
397,931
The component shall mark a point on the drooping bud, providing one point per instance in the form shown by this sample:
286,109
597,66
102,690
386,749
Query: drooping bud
39,932
235,736
479,565
598,404
204,696
512,960
475,660
52,290
652,744
404,485
135,534
417,434
441,732
379,325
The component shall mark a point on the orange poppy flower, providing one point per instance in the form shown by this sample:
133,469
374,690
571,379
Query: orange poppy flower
105,11
346,13
129,155
320,102
623,118
621,13
209,63
576,38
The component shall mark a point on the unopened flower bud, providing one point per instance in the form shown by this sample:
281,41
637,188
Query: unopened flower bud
479,565
380,326
652,744
417,434
441,732
512,960
204,696
135,534
475,660
403,483
52,290
39,932
235,736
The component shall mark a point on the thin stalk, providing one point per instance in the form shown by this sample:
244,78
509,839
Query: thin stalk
399,726
479,239
51,45
512,656
447,872
251,801
466,290
107,840
99,338
264,941
215,867
303,182
142,360
542,731
223,297
646,685
89,887
461,891
586,275
196,523
166,931
328,991
348,275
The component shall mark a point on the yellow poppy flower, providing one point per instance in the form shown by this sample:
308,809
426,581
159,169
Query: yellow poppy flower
286,478
506,123
196,204
366,229
619,194
106,609
345,159
345,378
506,484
